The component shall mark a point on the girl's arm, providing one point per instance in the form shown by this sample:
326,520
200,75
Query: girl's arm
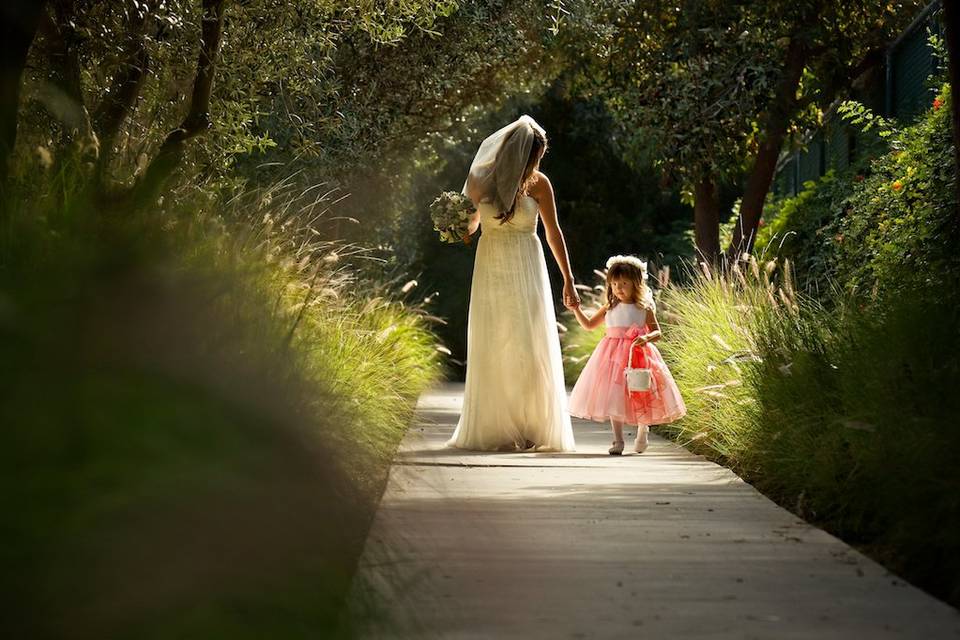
542,192
592,322
653,335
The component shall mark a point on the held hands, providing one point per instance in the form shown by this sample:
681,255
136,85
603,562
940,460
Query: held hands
570,298
640,341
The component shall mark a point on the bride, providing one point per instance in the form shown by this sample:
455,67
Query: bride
515,397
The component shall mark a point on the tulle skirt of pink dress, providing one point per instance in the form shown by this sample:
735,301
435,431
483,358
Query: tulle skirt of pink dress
601,391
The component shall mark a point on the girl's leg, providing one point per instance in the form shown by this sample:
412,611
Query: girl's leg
640,444
617,447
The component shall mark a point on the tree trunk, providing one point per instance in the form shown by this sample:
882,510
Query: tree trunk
197,121
63,88
125,89
774,130
19,21
951,14
706,221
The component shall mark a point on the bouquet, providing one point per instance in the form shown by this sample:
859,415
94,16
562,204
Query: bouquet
450,212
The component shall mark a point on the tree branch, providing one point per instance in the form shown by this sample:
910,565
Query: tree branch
842,79
775,125
63,96
197,121
124,91
774,130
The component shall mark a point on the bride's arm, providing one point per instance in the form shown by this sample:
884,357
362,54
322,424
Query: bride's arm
542,192
474,223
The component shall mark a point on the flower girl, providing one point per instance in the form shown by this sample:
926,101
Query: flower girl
601,392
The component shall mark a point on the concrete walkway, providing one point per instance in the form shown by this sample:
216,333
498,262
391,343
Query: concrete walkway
586,545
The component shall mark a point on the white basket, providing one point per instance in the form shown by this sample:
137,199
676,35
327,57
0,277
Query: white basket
637,379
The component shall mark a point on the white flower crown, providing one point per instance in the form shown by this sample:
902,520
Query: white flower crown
631,260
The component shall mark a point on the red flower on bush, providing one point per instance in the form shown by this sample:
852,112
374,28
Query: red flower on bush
761,223
937,103
897,185
859,177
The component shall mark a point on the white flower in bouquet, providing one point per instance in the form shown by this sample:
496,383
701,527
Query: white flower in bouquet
450,212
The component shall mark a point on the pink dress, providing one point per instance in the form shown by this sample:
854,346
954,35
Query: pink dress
601,391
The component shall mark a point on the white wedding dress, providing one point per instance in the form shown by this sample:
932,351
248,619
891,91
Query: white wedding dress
515,390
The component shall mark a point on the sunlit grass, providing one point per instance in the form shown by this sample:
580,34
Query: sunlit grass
710,343
838,412
368,340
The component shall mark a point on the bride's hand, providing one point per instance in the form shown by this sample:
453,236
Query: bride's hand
570,298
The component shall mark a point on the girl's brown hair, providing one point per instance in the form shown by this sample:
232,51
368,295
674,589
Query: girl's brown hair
537,151
633,273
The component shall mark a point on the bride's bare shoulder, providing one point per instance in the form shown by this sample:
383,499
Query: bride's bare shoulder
540,184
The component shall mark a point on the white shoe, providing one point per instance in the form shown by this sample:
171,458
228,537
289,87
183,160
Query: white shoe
640,444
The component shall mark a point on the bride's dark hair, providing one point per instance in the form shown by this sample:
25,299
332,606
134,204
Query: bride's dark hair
537,151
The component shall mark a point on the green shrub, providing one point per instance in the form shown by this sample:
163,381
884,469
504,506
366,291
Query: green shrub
799,228
901,227
882,230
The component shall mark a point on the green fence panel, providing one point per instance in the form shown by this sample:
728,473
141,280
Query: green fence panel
913,62
838,145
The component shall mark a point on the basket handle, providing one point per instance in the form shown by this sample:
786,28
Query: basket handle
633,347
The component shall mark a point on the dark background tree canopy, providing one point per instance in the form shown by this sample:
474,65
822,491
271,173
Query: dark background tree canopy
653,109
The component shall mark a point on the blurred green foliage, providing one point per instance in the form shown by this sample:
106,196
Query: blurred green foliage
198,414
